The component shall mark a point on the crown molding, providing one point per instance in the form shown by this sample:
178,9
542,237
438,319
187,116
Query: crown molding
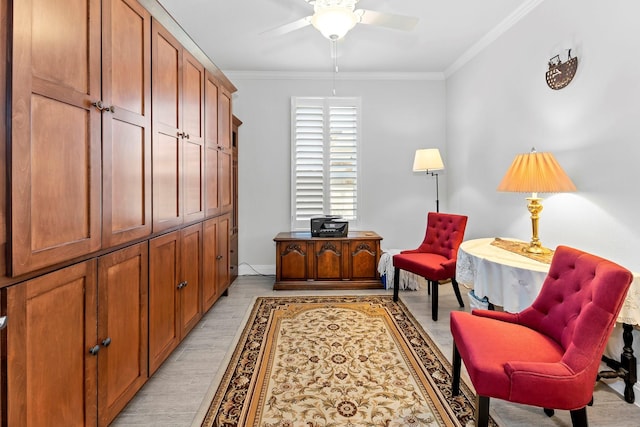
311,75
492,35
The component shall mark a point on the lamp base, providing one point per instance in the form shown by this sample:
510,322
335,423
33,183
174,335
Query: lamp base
536,249
535,207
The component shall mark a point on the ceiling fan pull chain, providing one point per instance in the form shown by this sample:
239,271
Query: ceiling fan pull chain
334,52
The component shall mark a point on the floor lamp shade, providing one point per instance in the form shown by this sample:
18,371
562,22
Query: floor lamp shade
536,173
427,159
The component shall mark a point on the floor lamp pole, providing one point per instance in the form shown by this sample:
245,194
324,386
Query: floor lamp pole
437,192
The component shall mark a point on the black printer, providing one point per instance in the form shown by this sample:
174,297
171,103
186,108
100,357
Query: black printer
329,226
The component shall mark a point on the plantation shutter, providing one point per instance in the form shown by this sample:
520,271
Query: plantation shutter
325,135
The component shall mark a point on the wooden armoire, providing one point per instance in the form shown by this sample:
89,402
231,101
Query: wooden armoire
115,208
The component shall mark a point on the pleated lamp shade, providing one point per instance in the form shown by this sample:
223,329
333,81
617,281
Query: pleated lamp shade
536,173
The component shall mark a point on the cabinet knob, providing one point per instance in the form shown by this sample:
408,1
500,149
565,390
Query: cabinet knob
101,107
219,257
182,284
181,134
106,342
94,350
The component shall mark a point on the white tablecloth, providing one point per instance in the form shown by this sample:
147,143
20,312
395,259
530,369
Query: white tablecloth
513,281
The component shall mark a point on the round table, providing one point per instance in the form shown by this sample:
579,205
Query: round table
507,279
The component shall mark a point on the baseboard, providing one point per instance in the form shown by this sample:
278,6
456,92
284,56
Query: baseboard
618,386
245,269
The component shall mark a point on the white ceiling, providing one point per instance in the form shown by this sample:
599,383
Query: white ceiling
229,33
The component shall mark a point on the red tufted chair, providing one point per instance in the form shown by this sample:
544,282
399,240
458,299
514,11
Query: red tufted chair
547,355
435,259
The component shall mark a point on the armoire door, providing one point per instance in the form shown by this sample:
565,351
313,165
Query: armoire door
123,285
55,132
164,323
222,255
190,292
212,204
193,138
126,122
167,135
209,263
225,155
52,349
3,146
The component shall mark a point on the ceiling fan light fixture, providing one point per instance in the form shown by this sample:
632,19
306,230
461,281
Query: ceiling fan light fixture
334,21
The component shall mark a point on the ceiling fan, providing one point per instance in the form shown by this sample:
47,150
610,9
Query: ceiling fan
334,18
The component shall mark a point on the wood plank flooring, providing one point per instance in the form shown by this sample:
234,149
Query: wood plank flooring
173,396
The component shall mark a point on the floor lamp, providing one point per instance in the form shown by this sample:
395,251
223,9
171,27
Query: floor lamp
428,160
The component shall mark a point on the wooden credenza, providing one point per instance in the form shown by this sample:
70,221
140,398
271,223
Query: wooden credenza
305,262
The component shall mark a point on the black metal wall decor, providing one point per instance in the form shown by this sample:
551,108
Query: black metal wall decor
561,73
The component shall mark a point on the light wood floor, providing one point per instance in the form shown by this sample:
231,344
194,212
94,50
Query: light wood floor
173,396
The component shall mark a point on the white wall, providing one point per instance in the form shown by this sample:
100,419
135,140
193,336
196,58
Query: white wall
398,117
498,105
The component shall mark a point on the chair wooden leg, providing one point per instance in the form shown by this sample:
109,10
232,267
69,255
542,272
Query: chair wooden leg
455,379
396,283
434,300
456,289
579,417
482,411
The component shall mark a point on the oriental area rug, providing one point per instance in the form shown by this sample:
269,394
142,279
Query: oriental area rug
336,361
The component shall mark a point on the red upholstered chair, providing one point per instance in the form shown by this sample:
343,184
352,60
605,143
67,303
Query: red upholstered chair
435,259
547,355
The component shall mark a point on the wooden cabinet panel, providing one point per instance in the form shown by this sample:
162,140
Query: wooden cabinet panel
212,205
216,260
189,287
225,191
209,263
178,135
167,119
328,260
193,125
164,268
3,151
122,328
175,294
233,257
52,375
55,133
222,255
126,131
364,259
292,261
224,119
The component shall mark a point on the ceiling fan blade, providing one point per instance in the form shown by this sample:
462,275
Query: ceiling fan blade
397,22
287,28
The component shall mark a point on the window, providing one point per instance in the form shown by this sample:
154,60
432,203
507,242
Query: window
325,135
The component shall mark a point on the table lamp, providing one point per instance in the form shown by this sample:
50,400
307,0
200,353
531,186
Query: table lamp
535,173
429,160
